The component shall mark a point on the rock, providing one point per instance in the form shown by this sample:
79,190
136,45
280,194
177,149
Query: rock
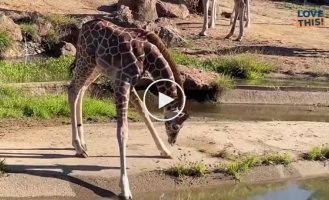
142,10
167,31
68,49
197,79
15,51
9,26
122,17
199,84
170,8
65,49
44,28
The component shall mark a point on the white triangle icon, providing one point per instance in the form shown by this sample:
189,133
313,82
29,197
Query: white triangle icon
163,100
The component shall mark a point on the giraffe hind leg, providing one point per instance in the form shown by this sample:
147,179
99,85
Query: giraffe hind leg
241,20
236,15
205,4
89,80
75,90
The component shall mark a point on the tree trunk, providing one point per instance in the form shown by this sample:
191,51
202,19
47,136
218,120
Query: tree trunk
143,10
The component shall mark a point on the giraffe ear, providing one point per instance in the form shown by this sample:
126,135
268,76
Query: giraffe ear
183,116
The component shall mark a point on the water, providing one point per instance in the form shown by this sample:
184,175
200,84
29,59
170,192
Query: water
249,112
312,189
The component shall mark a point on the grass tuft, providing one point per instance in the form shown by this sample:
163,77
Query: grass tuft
276,159
51,39
2,166
31,31
60,20
318,153
187,169
244,66
224,81
5,41
238,166
52,69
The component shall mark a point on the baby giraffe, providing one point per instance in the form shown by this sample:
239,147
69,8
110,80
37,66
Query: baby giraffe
239,10
123,55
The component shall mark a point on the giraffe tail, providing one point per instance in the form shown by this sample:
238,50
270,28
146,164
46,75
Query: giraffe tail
72,67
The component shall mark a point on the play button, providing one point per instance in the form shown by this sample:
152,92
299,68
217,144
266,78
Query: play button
154,106
164,100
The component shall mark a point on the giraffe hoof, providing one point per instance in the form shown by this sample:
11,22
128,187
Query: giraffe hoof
238,39
82,155
84,146
202,34
125,196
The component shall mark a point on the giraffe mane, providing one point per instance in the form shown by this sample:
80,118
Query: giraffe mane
154,39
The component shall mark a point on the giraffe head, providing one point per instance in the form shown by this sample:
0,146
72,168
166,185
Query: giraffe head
173,126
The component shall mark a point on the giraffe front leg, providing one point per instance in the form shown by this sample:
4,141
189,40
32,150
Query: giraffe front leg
205,18
138,104
122,90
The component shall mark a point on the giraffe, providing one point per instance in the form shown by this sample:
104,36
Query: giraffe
123,55
239,7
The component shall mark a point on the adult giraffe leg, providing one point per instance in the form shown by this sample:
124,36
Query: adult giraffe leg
122,90
213,14
236,15
247,25
205,4
242,14
74,91
138,104
232,15
90,79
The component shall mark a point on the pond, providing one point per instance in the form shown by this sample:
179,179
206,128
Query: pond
311,189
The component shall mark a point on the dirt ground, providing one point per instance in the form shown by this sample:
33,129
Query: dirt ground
272,35
45,151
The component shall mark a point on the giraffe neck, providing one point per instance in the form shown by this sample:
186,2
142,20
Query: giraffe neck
159,68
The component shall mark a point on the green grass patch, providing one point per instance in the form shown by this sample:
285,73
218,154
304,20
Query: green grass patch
187,169
5,41
238,166
52,69
224,81
2,166
30,31
318,153
243,66
18,104
60,20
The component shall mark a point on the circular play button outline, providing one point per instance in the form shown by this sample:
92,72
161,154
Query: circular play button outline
179,112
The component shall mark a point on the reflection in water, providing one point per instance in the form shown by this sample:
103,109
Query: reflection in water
315,189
